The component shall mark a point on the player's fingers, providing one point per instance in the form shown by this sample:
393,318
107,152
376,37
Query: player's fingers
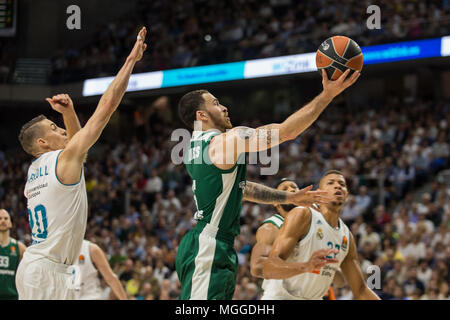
322,200
306,189
343,76
355,77
324,76
145,46
321,253
351,80
59,98
331,261
318,193
49,101
142,33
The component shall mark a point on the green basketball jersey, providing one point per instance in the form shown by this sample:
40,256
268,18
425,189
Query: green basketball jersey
217,193
9,261
276,220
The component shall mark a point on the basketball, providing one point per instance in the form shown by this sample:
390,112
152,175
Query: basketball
337,54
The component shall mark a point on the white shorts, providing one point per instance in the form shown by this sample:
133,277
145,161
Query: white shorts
91,294
44,279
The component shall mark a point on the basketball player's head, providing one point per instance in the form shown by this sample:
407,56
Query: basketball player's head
41,135
287,185
334,182
201,105
5,221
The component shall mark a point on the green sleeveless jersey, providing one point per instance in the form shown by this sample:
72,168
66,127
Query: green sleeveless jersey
217,193
276,220
9,261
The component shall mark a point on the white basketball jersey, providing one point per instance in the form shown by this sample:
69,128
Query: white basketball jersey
89,288
57,212
312,286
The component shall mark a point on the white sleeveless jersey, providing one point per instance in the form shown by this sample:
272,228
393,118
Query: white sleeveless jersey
89,286
57,212
311,286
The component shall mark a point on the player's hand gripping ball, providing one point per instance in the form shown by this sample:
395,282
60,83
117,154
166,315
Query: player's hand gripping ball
337,54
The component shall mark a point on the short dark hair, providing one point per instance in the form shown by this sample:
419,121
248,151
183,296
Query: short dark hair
29,133
284,180
189,104
332,171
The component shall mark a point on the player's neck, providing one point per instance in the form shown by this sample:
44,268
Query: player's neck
331,215
4,238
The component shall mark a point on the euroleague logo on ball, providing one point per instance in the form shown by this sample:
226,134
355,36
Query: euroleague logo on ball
325,45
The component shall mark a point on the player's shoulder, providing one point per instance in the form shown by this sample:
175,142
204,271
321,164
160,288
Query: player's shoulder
46,156
299,212
299,219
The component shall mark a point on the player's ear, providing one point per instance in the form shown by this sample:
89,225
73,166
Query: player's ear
202,115
42,143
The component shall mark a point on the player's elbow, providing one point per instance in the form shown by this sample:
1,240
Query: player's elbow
256,271
286,135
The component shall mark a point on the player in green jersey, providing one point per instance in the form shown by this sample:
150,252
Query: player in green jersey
206,260
11,251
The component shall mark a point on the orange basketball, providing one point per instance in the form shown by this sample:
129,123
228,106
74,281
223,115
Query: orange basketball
337,54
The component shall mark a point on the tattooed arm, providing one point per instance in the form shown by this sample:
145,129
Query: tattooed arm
259,193
226,148
255,192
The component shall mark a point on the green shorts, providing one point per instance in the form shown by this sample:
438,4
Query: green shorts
206,265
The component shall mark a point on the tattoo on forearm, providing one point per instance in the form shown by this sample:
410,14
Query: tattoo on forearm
259,193
263,134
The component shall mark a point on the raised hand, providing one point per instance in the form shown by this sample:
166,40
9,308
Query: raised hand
140,46
306,197
334,88
61,103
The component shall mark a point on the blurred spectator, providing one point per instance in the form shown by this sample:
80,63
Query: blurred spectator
351,210
412,282
415,249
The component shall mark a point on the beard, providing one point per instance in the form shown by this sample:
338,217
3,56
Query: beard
220,123
337,203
